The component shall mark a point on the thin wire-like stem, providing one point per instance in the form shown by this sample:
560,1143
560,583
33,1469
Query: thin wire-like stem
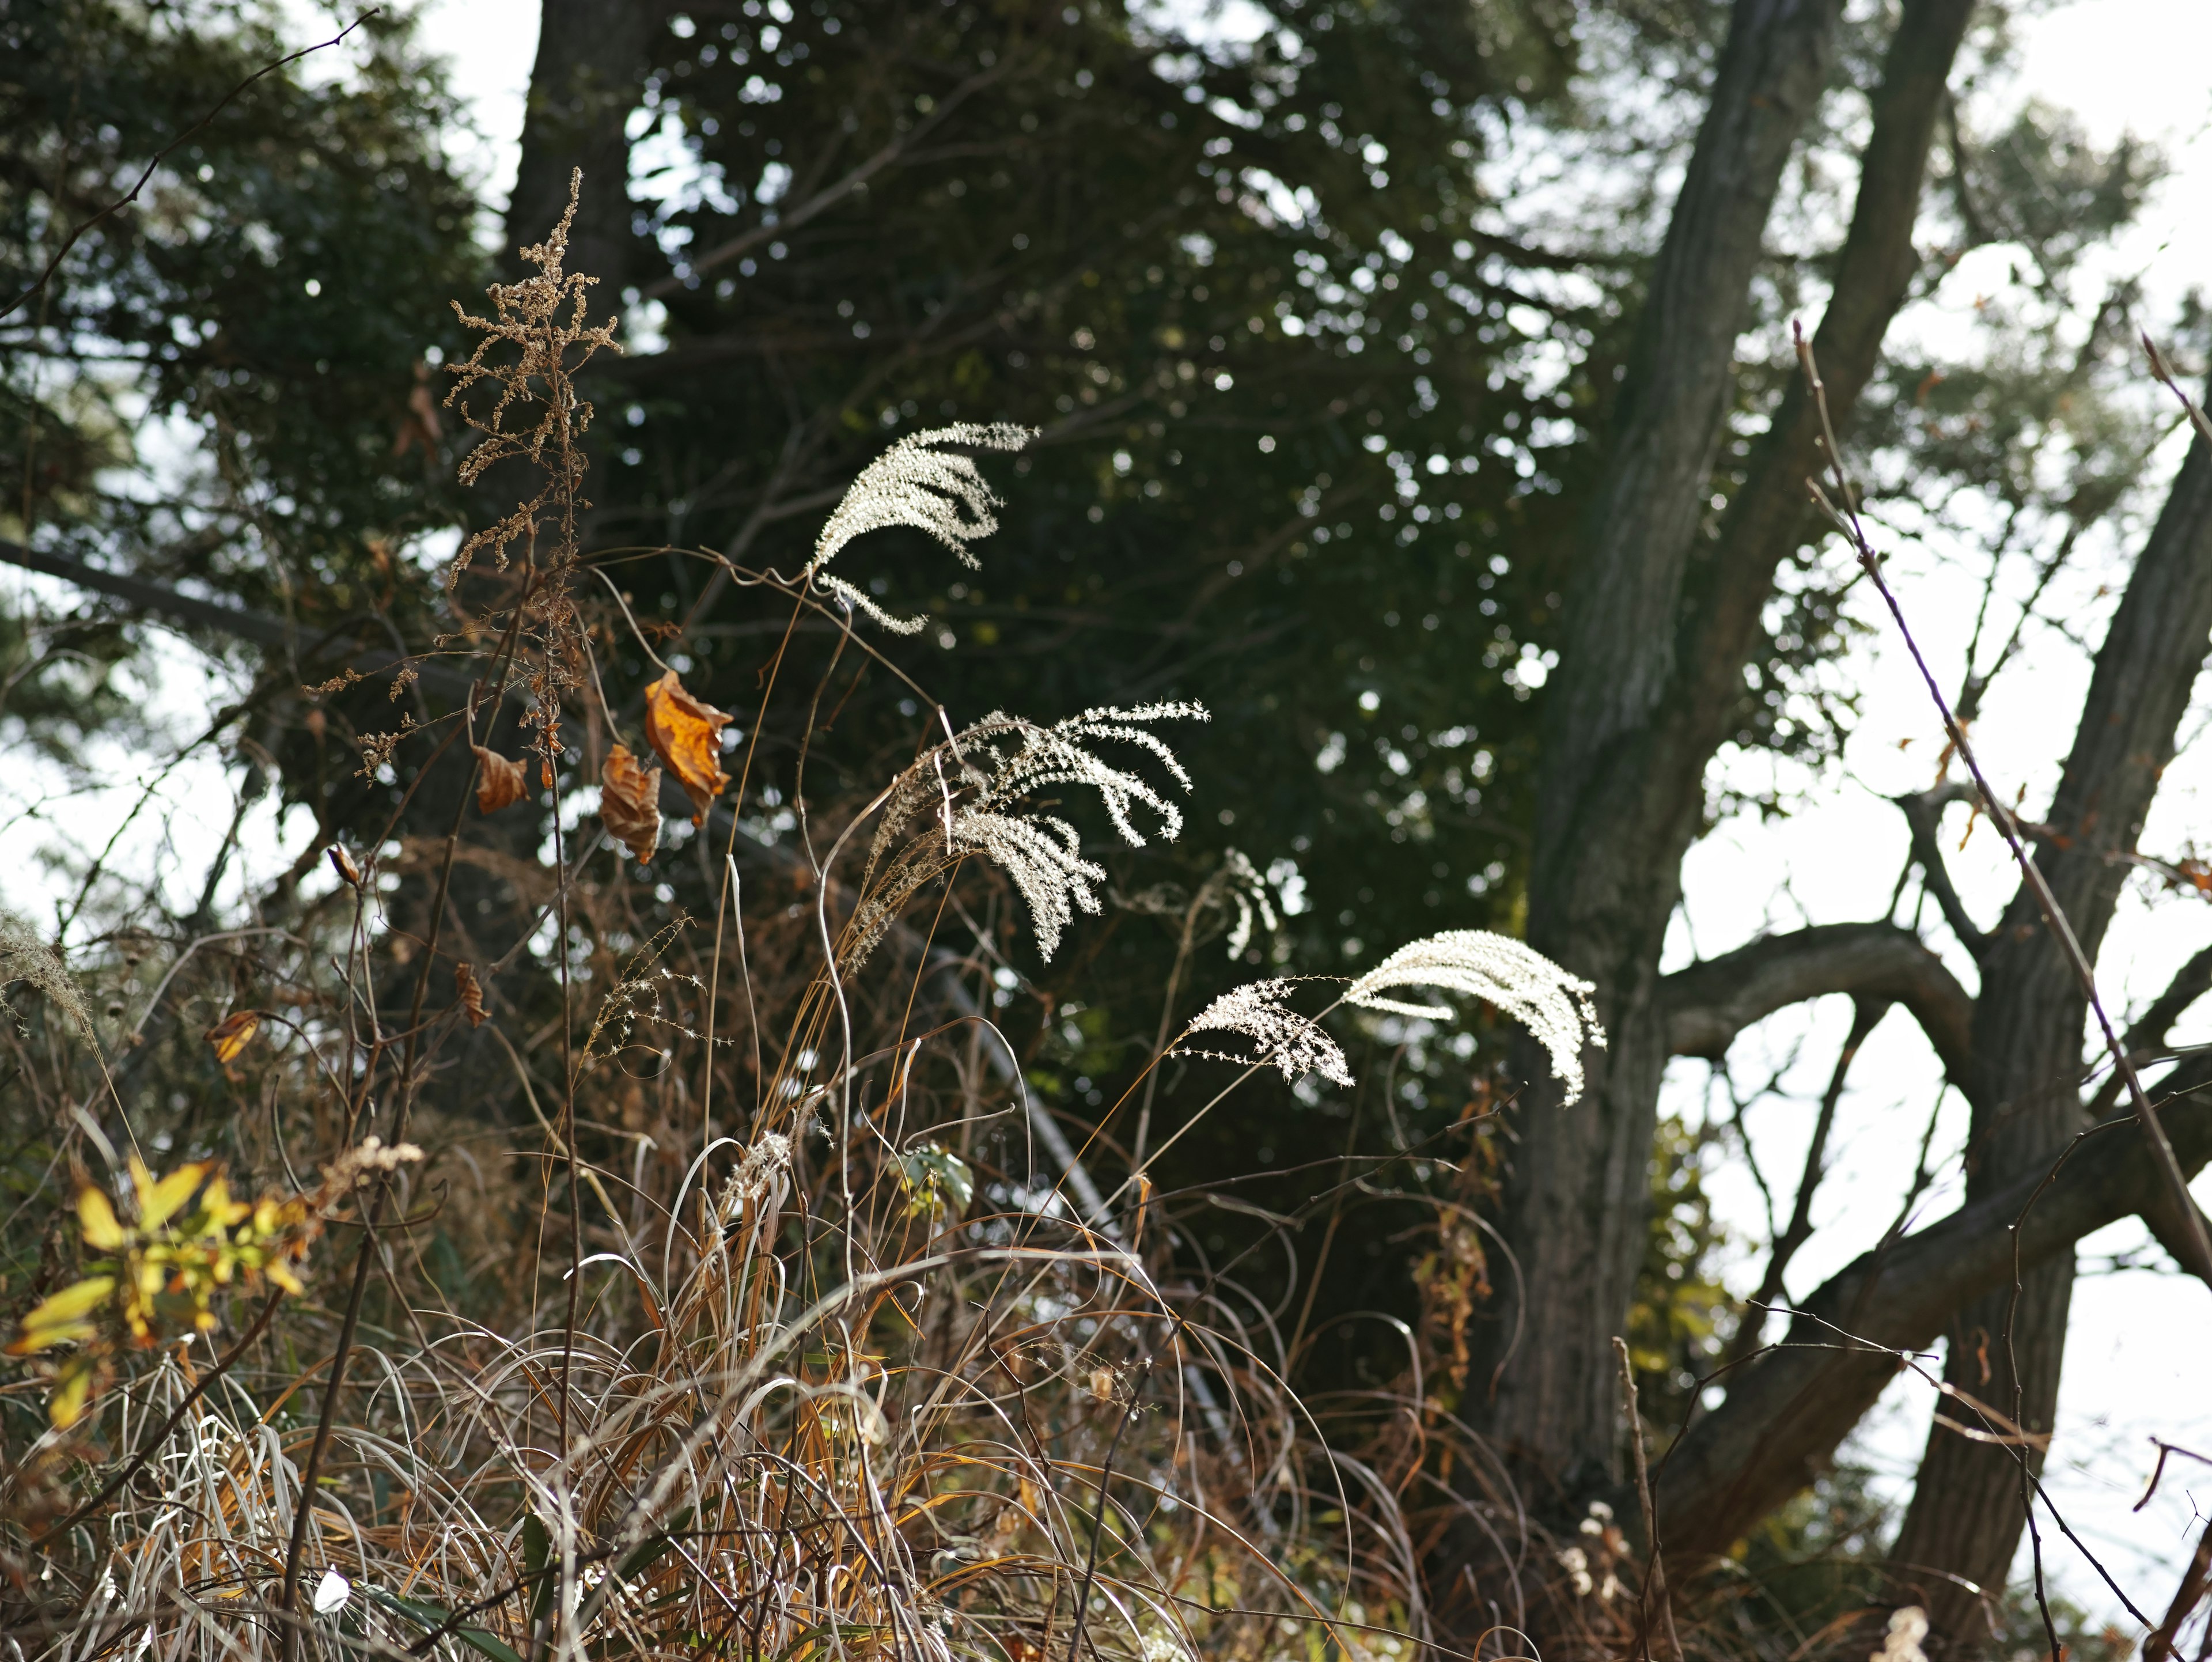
2054,918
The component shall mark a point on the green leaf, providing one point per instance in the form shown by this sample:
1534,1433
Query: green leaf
430,1618
937,1180
537,1550
638,1559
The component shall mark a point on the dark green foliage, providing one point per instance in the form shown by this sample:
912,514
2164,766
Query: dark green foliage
217,381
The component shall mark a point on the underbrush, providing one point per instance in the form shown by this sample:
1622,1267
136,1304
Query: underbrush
469,1253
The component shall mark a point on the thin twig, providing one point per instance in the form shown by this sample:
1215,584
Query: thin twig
124,201
1655,1590
2046,903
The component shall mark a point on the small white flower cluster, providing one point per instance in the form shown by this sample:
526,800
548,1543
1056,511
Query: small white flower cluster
915,483
1260,1011
1576,1560
1907,1628
1525,984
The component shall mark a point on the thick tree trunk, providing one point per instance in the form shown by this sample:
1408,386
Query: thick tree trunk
1637,711
1965,1518
1602,890
592,59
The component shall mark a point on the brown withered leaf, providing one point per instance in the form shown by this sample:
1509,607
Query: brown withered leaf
231,1035
499,784
629,803
687,734
471,994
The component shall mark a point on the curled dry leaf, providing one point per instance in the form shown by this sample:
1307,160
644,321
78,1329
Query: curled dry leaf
629,803
687,734
231,1035
471,994
500,783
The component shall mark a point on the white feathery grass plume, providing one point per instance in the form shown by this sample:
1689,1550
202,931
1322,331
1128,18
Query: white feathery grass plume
1260,1011
1242,886
1040,852
975,807
914,483
24,957
1527,986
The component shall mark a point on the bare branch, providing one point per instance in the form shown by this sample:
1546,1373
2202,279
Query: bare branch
1791,1406
258,627
1923,813
1708,1004
821,201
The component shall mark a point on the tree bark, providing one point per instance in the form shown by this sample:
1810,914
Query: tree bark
1635,713
1705,1006
1965,1517
1789,1409
592,59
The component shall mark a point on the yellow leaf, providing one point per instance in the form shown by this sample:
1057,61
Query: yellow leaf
72,1389
160,1203
223,1211
97,1220
61,1318
231,1034
687,734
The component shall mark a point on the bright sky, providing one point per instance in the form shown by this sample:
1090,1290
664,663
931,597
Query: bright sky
2142,1352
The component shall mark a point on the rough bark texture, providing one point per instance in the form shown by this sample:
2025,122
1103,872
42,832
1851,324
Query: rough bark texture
592,57
1637,712
1788,1410
1965,1517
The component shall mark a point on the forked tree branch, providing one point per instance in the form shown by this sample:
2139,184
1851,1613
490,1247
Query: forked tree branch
1708,1004
1923,813
1788,1408
2031,877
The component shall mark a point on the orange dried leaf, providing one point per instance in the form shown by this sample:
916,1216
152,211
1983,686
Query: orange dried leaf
501,782
629,803
687,735
471,994
230,1035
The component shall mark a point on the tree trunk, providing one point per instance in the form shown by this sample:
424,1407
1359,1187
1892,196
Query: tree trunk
593,59
1637,712
1966,1517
